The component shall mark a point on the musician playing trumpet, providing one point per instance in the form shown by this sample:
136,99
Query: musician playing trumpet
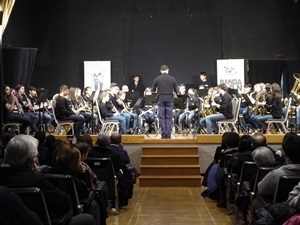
27,106
12,111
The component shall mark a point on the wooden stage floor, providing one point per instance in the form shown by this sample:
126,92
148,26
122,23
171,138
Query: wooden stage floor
179,139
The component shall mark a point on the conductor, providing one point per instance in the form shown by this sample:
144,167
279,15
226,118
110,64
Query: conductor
165,86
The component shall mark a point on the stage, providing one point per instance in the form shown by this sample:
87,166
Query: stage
206,145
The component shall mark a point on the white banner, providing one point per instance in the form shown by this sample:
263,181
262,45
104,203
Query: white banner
232,73
97,75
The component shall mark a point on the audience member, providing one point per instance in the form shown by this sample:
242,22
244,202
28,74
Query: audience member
20,170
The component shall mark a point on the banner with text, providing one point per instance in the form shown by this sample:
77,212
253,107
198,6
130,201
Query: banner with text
97,75
232,73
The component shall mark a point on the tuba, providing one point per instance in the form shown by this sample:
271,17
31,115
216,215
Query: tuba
296,87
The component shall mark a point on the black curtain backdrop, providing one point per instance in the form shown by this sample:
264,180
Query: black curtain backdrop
188,45
270,71
18,65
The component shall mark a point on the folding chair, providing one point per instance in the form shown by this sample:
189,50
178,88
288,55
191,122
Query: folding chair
107,126
104,169
62,124
224,125
34,199
280,123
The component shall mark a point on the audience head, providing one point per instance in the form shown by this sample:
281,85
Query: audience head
87,139
68,159
263,156
21,151
40,136
49,140
84,149
103,140
291,149
116,138
5,138
258,141
245,143
231,140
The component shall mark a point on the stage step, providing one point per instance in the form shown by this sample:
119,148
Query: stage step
170,181
170,159
170,166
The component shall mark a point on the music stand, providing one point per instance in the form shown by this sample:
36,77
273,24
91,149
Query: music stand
40,100
150,99
247,99
202,92
234,93
183,97
178,103
91,99
133,102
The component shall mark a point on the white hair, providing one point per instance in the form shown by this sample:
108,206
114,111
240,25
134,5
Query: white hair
19,149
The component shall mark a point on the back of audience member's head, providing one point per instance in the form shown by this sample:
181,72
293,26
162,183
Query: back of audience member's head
258,141
103,140
245,143
41,136
232,140
5,138
68,159
19,150
263,156
224,139
82,147
116,138
291,149
49,140
88,139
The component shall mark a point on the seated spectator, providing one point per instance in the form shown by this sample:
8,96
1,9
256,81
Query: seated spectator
243,154
20,170
68,162
267,186
102,150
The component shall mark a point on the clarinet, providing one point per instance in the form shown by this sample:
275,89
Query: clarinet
30,106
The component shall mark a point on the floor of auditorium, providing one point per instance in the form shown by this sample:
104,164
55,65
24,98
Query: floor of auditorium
170,206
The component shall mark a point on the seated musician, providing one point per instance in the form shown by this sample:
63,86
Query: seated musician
149,116
63,109
254,111
190,114
113,98
274,108
44,115
109,112
225,111
27,107
13,111
91,107
79,106
125,109
183,95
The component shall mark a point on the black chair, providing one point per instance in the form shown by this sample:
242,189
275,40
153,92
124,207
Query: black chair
249,169
104,169
66,183
284,187
34,199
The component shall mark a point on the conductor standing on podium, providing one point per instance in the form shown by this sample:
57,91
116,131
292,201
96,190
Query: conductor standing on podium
165,86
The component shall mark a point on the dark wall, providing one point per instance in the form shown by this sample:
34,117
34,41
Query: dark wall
68,32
